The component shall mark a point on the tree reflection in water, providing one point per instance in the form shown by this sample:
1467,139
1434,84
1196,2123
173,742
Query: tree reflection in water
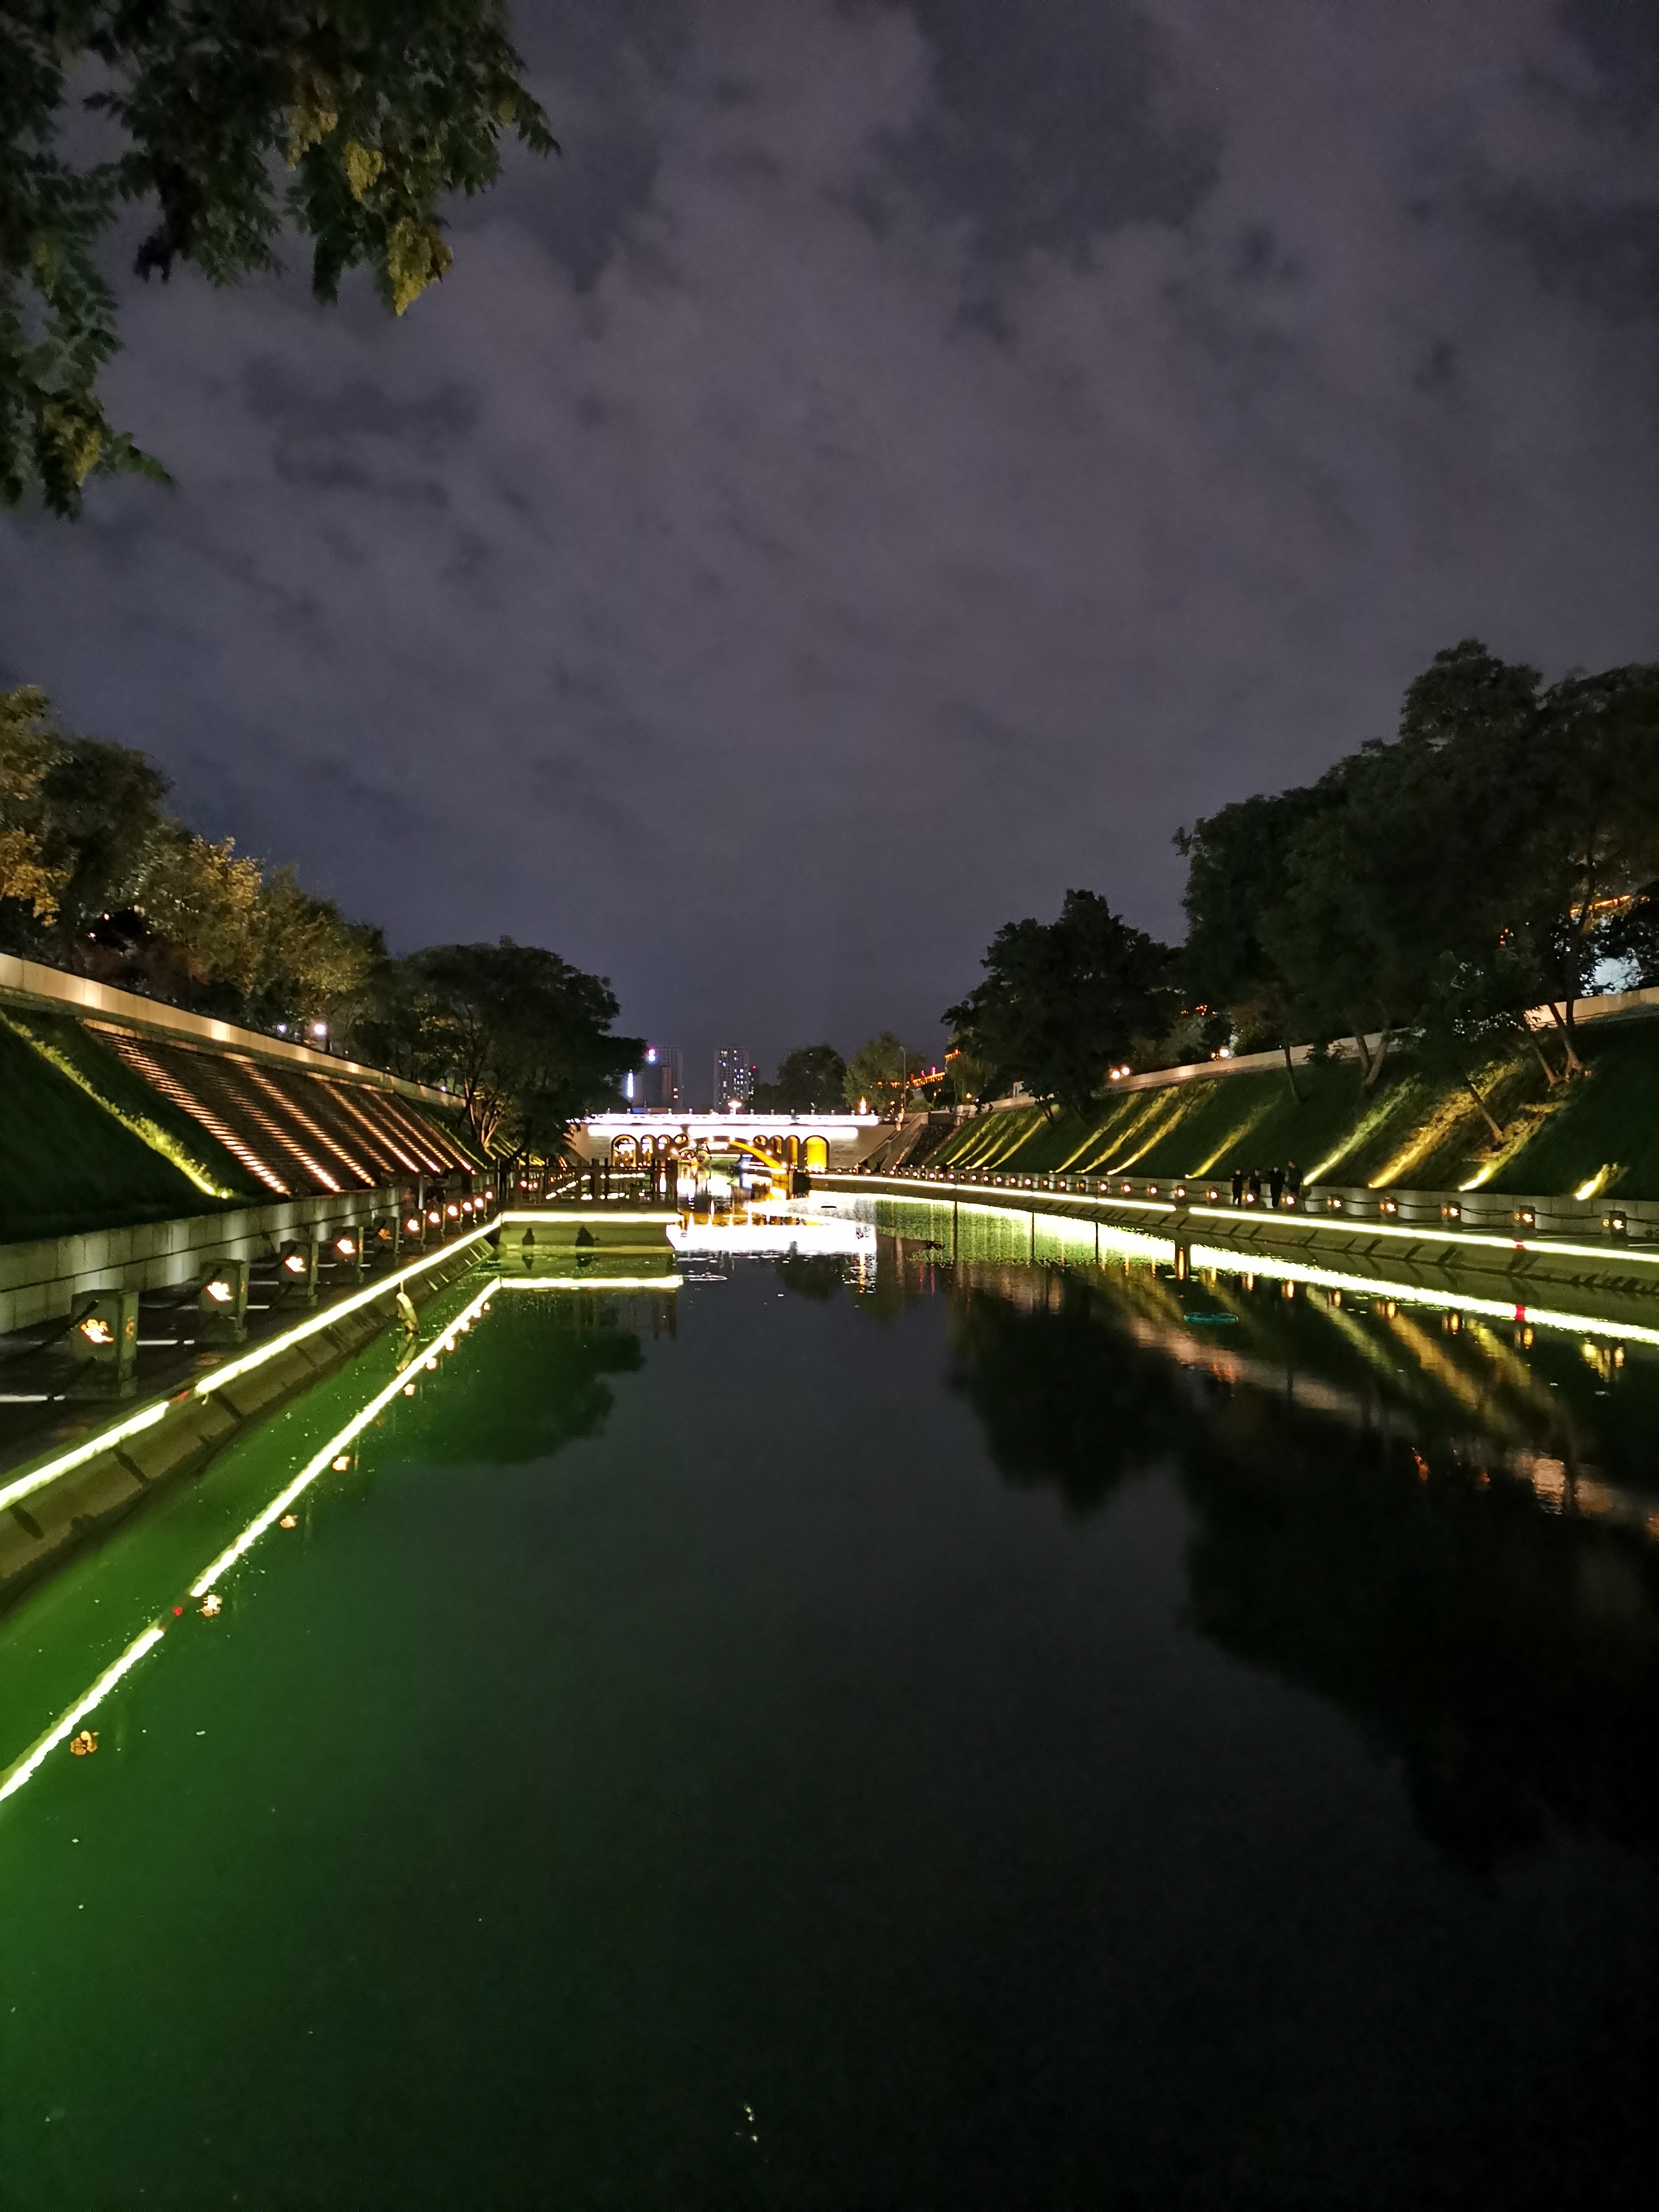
1384,1514
573,1344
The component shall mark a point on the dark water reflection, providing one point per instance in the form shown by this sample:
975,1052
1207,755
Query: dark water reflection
1420,1525
981,1734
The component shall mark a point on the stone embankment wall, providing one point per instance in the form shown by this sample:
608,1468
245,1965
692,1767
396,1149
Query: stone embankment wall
45,1523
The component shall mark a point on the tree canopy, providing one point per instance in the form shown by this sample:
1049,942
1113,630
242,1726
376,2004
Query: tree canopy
521,1037
348,120
877,1074
811,1079
1063,1000
1482,861
96,876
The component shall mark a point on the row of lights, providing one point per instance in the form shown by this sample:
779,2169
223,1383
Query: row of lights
1615,1222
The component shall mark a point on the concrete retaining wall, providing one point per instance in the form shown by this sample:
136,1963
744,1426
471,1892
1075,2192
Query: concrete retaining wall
38,1531
42,1280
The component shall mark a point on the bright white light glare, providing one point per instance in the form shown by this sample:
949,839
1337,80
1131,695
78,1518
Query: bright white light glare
320,1028
344,1246
134,1424
16,1775
219,1292
294,1264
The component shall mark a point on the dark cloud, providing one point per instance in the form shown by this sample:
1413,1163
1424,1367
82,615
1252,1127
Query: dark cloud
901,462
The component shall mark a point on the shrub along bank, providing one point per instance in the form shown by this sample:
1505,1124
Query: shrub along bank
1414,1128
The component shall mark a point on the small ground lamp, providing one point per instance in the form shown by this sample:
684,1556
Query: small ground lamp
222,1304
104,1341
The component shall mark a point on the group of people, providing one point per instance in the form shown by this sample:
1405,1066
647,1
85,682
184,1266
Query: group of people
1284,1186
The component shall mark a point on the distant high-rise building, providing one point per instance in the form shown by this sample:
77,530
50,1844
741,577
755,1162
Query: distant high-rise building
734,1077
656,1084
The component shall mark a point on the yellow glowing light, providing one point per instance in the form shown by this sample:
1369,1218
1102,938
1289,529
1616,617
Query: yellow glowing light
85,1744
329,1315
342,1463
294,1264
96,1331
211,1604
288,1521
344,1246
219,1292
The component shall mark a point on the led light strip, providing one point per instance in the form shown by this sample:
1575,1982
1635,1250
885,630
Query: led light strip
147,1417
1236,1259
1011,1195
329,1315
319,1459
16,1775
134,1424
589,1283
1296,1271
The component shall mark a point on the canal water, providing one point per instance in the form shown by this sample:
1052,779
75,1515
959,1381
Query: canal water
910,1725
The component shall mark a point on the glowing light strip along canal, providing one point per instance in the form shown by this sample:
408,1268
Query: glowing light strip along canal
1012,1195
321,1458
329,1315
146,1416
65,1463
18,1774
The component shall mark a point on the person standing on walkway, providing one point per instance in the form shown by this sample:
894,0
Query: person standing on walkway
1238,1186
1275,1186
1253,1188
1293,1183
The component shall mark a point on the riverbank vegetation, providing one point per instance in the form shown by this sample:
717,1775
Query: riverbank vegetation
98,878
1429,901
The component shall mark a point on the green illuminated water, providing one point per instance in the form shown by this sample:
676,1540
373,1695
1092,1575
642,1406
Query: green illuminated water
1015,1736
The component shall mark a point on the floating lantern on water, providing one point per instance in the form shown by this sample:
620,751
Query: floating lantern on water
288,1521
212,1603
85,1743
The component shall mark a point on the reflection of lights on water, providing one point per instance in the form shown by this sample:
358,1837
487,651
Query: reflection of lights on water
64,1728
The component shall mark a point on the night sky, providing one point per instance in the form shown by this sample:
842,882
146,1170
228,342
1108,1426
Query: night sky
904,460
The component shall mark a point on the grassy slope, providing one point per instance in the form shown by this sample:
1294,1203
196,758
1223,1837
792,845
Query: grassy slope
167,1128
1412,1130
66,1164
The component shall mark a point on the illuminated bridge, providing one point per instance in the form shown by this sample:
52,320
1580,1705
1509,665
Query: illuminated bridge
832,1142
